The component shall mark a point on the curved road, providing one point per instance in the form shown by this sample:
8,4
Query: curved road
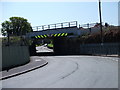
69,72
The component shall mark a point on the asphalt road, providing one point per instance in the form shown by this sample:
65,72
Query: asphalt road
43,49
69,72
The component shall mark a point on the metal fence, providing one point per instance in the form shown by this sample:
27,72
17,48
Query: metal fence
89,25
55,26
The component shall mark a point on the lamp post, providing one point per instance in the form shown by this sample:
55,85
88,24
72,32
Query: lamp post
100,22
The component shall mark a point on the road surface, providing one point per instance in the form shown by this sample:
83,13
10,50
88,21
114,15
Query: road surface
43,49
69,72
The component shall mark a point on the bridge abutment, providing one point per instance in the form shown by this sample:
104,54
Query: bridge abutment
66,45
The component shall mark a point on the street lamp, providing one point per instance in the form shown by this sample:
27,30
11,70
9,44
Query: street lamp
100,22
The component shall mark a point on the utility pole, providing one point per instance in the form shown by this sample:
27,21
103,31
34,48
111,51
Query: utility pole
100,22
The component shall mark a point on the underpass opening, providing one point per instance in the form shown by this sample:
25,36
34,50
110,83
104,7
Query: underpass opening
44,46
41,47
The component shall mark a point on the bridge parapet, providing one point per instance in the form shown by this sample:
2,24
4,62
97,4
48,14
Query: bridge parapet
55,26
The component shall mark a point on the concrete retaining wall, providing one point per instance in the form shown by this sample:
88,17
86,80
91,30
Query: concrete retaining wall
13,56
0,58
100,49
72,46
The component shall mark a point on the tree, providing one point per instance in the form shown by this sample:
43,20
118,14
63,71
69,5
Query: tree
6,28
16,26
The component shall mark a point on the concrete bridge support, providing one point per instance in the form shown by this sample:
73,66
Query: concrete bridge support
65,46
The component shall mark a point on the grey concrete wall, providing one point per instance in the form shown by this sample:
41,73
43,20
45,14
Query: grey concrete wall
72,46
0,58
0,54
13,56
105,49
0,61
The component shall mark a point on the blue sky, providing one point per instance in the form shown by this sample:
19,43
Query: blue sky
42,13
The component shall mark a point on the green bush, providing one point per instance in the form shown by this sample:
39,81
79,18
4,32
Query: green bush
50,45
111,35
15,40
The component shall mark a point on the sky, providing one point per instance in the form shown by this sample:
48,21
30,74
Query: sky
44,13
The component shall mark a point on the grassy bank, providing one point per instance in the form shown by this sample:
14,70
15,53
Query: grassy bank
50,46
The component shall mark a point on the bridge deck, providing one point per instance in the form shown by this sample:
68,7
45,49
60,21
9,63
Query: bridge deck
66,28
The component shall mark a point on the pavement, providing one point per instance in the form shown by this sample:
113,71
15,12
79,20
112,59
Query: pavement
114,55
35,62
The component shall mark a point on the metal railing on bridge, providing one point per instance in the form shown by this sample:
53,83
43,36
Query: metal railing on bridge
89,25
55,26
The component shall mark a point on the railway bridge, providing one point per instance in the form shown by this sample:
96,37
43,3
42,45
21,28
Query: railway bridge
59,33
54,30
